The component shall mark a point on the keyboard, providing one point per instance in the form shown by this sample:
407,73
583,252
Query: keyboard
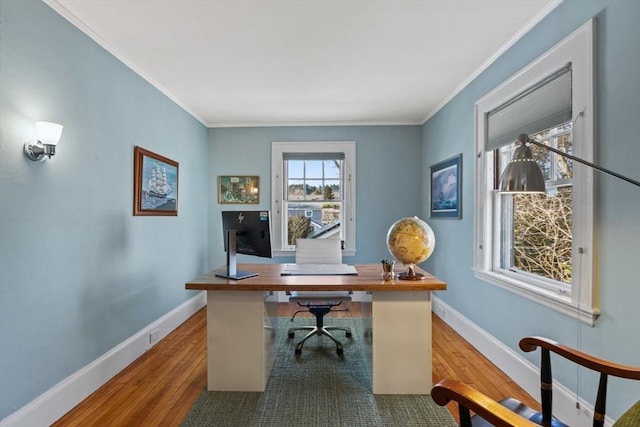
318,270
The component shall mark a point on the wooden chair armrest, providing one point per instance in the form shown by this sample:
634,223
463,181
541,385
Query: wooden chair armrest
485,407
528,344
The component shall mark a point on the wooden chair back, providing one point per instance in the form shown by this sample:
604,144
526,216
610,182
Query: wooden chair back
510,412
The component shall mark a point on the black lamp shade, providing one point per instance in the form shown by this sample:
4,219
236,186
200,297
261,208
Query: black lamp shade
522,174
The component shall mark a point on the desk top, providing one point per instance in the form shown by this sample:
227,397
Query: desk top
369,278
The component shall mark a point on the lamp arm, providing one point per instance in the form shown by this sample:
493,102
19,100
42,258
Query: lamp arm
524,138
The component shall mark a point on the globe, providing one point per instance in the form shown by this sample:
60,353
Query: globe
411,241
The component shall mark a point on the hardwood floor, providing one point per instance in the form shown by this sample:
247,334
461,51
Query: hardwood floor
159,388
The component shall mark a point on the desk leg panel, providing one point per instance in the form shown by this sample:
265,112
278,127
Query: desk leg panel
401,325
237,347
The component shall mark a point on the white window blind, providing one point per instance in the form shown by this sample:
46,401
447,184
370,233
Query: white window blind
312,156
543,106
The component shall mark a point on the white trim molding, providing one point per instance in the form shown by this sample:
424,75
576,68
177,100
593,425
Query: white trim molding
581,302
279,216
514,365
64,396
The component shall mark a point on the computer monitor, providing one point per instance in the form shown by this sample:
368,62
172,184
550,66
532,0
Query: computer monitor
245,232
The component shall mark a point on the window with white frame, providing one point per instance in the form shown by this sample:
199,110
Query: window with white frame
540,246
313,193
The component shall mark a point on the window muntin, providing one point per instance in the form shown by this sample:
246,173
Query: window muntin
312,179
313,198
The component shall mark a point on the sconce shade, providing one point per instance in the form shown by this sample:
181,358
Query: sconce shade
48,133
45,146
522,174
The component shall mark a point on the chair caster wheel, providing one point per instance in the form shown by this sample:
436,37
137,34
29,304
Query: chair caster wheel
339,351
291,334
348,334
298,351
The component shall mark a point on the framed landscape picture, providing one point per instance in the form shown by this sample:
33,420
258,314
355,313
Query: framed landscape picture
238,189
446,189
155,184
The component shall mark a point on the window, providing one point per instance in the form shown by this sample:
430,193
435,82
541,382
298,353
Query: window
540,246
535,229
313,193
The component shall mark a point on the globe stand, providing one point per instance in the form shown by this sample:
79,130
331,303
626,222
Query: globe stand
411,275
411,241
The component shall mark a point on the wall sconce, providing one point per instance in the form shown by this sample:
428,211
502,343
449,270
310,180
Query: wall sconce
45,146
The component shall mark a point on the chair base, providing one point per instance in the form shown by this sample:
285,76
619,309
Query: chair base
315,330
521,409
319,311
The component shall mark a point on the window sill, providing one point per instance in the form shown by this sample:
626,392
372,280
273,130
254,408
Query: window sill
559,303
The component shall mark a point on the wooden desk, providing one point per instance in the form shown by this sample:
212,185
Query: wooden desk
240,316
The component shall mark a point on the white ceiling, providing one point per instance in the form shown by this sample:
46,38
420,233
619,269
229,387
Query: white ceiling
306,62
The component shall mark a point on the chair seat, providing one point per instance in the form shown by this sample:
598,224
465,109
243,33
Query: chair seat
521,409
631,418
320,296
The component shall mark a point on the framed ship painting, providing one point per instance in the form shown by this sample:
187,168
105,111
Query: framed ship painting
238,189
446,189
155,184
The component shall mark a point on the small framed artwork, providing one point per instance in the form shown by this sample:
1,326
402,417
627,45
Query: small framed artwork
155,184
446,188
239,190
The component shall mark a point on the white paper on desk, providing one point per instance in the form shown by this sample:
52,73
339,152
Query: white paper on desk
318,270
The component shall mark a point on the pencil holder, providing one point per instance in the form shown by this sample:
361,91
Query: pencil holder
387,271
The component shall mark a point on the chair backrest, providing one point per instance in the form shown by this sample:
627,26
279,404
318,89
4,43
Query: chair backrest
318,251
509,411
604,367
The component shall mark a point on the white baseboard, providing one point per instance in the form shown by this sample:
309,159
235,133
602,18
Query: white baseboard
65,395
519,369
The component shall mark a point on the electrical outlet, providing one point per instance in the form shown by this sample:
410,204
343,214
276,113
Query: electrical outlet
154,336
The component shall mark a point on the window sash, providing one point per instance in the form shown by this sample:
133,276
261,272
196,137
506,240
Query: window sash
317,180
322,180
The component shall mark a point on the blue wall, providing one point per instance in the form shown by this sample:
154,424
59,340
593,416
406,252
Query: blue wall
388,169
77,283
503,314
78,273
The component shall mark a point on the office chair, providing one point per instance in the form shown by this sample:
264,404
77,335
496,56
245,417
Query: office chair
319,303
511,412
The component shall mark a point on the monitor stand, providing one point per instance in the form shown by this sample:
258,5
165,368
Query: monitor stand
231,271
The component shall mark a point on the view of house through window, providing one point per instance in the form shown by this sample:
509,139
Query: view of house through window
537,227
314,193
313,198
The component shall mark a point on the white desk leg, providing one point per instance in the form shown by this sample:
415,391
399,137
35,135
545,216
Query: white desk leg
238,344
401,342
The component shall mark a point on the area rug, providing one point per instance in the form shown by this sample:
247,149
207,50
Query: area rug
317,388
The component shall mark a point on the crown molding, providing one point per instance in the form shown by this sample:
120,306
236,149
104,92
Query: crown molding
524,30
82,26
